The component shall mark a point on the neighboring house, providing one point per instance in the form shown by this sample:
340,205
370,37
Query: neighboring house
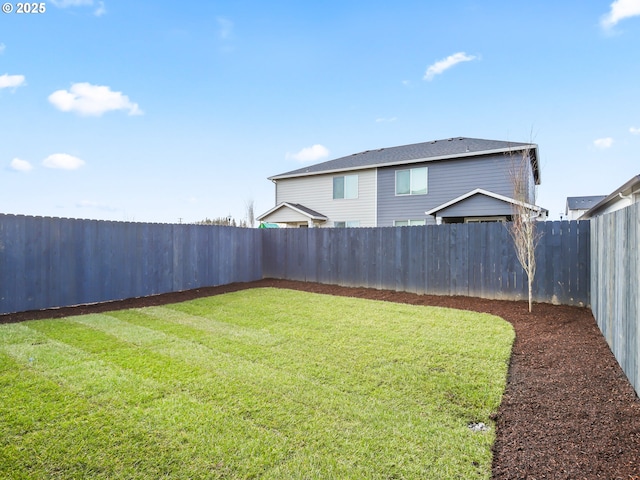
626,195
444,181
576,206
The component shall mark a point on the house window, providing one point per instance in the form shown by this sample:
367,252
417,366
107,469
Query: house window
409,223
501,218
345,187
347,224
412,181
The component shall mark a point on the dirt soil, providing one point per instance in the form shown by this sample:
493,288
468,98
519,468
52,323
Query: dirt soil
568,411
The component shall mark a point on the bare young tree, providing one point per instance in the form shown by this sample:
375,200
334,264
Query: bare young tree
522,228
250,211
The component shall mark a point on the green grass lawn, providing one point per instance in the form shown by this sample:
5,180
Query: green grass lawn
261,383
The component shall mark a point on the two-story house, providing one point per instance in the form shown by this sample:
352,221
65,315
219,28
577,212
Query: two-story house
443,181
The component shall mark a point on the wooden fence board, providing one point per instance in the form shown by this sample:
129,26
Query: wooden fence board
52,262
48,262
472,259
615,285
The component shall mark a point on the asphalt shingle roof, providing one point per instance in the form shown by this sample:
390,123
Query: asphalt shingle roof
308,211
426,151
583,203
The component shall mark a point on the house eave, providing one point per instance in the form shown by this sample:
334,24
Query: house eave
630,185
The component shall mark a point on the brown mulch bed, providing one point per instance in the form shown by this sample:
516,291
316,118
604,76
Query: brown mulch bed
568,411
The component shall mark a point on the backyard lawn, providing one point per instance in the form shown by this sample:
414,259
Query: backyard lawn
262,383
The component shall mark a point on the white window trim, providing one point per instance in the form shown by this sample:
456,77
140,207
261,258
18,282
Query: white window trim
417,222
347,224
499,218
333,193
395,185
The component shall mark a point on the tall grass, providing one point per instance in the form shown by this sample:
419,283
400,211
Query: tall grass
261,383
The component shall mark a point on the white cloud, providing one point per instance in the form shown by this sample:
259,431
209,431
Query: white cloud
620,9
63,161
100,10
71,3
386,120
310,154
634,131
445,64
11,81
603,142
225,28
2,48
21,165
87,99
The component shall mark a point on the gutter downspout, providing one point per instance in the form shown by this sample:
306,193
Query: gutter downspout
275,193
626,197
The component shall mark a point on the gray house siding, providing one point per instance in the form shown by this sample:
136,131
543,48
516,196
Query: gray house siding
446,180
316,192
477,206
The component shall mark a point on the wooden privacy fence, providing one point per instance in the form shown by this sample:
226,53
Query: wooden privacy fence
455,259
615,285
54,262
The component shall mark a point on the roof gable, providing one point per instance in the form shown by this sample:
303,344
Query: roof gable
480,191
301,210
414,153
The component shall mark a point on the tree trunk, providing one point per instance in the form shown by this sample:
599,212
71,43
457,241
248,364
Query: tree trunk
530,254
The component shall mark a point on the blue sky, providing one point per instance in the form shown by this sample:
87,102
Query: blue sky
161,111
